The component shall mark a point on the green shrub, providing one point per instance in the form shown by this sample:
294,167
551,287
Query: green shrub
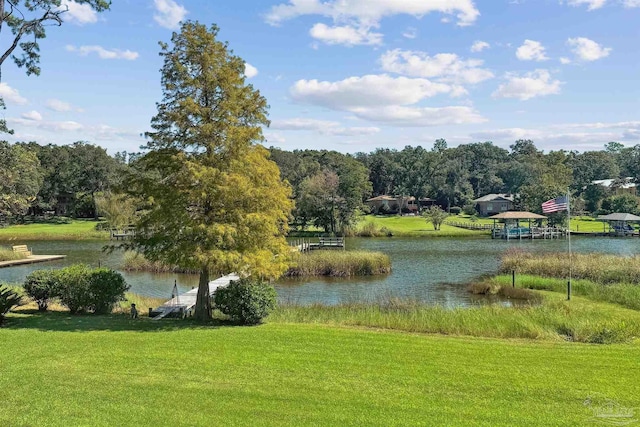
246,301
470,209
84,289
42,287
455,210
8,300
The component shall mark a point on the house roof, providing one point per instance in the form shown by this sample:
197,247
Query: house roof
381,198
493,197
517,215
621,183
619,217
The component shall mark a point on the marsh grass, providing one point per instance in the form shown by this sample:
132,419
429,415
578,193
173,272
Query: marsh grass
554,319
10,255
339,264
133,261
505,291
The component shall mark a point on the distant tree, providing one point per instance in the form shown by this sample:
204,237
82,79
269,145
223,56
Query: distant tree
435,215
20,179
319,200
119,210
214,201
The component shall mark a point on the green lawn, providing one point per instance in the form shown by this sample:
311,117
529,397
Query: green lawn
61,370
418,226
71,230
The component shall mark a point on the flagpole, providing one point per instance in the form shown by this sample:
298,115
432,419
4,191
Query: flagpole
569,241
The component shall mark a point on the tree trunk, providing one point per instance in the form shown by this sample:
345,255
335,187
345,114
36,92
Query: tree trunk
203,301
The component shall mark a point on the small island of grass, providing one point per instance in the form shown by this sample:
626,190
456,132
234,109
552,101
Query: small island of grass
339,264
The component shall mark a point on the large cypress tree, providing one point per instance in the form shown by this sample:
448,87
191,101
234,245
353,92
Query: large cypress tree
215,201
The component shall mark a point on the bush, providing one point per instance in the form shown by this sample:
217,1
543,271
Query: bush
42,287
455,210
470,209
246,301
8,300
84,289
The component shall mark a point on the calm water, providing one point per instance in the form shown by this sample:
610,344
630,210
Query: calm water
431,270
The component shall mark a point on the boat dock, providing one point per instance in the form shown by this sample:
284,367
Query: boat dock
322,243
519,233
31,259
183,305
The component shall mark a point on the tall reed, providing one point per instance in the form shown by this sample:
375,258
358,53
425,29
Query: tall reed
338,263
134,261
10,255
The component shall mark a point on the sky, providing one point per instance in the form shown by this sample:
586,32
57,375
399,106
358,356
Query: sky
352,75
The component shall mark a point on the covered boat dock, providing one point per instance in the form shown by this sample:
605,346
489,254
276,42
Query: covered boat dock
620,224
523,225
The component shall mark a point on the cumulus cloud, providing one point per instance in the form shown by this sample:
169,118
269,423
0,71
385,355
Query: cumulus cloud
565,61
587,50
250,71
11,95
479,46
32,115
527,86
169,13
58,105
103,53
397,115
324,127
77,13
531,50
445,67
345,35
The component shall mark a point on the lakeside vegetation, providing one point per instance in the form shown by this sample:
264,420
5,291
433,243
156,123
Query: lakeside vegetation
8,254
72,229
133,261
337,263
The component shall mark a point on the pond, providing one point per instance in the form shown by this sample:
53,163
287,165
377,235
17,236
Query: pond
431,270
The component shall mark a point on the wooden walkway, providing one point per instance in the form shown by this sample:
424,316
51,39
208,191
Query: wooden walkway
322,243
184,304
32,259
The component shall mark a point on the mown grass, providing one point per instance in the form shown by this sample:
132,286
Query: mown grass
596,267
415,226
133,261
623,294
553,319
9,255
338,263
71,230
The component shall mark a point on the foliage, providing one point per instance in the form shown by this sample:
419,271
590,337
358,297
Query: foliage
625,203
134,261
42,286
10,255
8,300
118,209
84,289
20,179
435,215
247,301
213,200
340,264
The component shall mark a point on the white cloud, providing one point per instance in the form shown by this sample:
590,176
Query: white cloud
565,61
479,46
103,53
587,50
323,127
591,4
250,71
345,35
32,115
53,126
78,13
369,90
631,3
169,13
531,50
58,105
276,138
11,95
397,115
530,85
446,67
410,33
370,12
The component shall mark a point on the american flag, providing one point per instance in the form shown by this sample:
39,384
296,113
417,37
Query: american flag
555,205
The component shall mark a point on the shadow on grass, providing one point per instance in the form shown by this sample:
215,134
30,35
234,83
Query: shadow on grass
65,322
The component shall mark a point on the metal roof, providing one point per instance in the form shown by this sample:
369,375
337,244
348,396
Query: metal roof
619,217
492,197
517,215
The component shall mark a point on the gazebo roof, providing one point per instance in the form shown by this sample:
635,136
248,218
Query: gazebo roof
619,217
517,215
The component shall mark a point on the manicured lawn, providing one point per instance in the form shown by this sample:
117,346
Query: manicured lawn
417,226
61,370
72,230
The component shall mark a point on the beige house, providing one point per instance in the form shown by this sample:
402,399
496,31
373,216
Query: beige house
390,204
493,204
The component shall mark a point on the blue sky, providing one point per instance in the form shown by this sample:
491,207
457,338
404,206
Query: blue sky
353,75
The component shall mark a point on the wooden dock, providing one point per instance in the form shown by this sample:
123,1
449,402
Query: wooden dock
183,305
520,233
322,243
31,259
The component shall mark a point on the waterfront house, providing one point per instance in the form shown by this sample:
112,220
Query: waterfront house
493,204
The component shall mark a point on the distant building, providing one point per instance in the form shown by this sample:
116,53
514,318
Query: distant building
392,204
618,186
493,204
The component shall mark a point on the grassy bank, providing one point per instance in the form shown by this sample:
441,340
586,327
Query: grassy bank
596,267
71,230
7,254
338,263
133,261
410,226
